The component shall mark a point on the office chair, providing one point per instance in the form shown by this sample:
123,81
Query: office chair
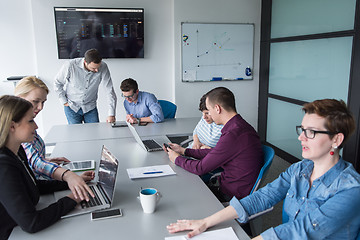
168,108
254,221
269,154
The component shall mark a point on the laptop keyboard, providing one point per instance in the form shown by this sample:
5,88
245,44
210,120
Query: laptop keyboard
94,201
151,144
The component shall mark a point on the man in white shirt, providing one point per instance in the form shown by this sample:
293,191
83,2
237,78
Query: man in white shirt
77,85
206,133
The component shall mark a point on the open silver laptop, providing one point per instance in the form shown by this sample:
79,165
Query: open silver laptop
103,189
150,144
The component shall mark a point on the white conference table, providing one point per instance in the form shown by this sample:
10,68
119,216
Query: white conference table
184,195
96,131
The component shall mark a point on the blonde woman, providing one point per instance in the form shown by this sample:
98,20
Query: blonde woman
35,91
19,189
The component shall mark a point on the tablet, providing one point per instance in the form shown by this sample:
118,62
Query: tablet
83,165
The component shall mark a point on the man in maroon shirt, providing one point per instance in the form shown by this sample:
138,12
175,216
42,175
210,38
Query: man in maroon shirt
238,151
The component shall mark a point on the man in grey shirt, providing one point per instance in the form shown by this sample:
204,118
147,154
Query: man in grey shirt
77,84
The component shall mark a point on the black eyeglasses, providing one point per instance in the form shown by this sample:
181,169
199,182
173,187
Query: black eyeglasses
131,96
309,133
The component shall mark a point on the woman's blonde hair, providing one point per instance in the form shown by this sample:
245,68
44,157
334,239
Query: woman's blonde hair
27,84
11,109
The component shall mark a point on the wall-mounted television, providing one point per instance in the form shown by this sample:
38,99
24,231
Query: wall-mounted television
114,32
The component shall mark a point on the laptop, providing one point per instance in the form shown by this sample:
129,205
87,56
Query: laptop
150,144
103,189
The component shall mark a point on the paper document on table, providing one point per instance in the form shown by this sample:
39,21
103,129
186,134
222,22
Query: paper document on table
150,171
223,234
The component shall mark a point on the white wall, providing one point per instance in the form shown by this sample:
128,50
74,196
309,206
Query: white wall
18,57
17,43
187,95
153,73
29,47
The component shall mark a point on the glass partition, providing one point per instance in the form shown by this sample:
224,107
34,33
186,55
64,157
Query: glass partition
294,18
282,119
311,69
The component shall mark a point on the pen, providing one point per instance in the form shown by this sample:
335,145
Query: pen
153,172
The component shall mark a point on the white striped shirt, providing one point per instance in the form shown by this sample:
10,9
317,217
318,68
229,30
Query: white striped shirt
208,134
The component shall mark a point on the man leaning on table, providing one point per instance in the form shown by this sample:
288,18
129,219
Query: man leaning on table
238,151
140,106
77,85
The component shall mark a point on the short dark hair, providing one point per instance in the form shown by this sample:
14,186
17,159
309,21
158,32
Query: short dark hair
223,97
202,104
338,118
128,85
92,55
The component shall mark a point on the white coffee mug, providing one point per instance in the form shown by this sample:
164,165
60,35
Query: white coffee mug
149,197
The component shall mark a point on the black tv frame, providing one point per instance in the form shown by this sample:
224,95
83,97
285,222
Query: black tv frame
115,32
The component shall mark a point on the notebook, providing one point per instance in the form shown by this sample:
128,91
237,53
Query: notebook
150,144
103,189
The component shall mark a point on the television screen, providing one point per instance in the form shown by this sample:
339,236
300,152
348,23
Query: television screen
114,32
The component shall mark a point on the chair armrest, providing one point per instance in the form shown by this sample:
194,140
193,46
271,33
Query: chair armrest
186,142
260,213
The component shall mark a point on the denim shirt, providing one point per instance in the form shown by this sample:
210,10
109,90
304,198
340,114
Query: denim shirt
329,209
146,106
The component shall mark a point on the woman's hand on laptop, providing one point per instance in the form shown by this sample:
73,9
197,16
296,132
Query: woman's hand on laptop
88,176
78,200
78,186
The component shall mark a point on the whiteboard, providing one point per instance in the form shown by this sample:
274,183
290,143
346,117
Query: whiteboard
217,51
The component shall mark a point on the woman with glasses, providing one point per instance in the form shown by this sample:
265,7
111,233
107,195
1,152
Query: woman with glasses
321,193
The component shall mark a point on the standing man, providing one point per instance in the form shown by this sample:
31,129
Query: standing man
238,151
77,85
140,106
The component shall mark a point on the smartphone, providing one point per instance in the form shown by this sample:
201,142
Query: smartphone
167,146
143,123
118,124
103,214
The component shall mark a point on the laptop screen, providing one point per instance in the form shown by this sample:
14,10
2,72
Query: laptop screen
107,172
